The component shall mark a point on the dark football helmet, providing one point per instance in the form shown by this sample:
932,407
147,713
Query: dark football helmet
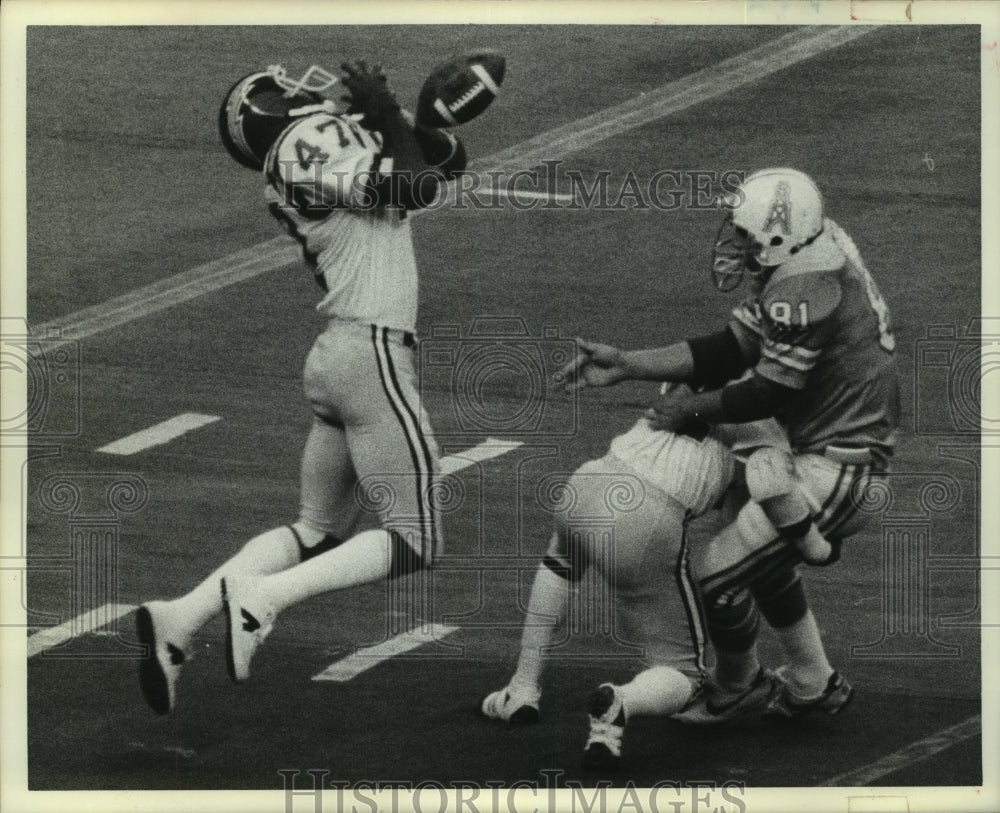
261,105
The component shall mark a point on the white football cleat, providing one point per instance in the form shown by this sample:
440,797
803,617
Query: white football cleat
161,667
603,751
249,620
517,705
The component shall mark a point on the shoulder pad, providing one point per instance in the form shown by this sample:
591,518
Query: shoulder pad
801,299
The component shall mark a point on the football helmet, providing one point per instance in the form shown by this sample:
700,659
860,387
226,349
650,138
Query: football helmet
261,105
774,213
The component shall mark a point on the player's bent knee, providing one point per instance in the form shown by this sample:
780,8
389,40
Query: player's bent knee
770,472
311,541
770,477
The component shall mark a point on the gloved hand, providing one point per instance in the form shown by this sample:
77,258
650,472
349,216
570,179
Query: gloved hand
369,93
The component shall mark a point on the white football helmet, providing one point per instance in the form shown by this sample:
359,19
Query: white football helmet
775,213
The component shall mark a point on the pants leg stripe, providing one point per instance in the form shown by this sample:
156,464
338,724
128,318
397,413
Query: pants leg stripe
841,513
689,598
832,497
419,452
729,574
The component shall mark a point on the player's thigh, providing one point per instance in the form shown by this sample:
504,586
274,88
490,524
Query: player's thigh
328,502
835,492
392,448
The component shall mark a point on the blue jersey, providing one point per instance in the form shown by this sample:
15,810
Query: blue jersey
821,327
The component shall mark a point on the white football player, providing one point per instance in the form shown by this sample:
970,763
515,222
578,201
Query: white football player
625,516
341,182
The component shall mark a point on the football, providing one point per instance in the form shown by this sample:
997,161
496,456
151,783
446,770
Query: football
460,88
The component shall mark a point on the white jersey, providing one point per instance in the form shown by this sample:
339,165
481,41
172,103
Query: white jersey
362,255
696,473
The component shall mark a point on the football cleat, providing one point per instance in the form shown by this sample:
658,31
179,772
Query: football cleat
249,620
785,704
161,667
516,705
714,704
603,751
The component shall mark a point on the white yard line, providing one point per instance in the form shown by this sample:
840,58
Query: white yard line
488,449
89,621
370,657
159,434
908,755
673,97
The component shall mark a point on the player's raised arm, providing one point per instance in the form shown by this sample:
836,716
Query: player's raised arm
411,182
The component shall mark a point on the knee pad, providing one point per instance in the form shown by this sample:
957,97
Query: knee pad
769,473
770,479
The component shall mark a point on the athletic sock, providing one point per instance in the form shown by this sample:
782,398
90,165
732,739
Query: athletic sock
267,553
364,558
736,670
808,670
546,609
660,690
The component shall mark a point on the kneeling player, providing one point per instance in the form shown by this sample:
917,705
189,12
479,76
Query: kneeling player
646,570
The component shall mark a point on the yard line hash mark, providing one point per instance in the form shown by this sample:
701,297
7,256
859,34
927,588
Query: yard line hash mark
488,449
159,434
673,97
370,657
90,621
910,754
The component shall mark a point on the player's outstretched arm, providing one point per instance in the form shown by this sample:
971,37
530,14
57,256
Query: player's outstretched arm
601,365
412,183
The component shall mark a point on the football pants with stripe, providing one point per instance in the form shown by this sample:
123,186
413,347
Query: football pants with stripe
797,505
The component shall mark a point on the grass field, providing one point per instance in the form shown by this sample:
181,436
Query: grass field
128,185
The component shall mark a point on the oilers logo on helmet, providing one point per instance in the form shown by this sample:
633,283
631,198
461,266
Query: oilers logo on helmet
780,211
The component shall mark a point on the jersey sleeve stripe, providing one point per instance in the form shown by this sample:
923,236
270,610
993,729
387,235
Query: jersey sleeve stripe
797,349
787,360
781,374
